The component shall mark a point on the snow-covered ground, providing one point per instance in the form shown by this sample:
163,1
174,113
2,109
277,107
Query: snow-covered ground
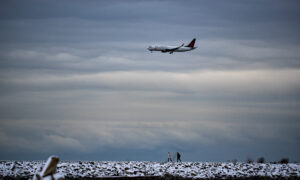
133,168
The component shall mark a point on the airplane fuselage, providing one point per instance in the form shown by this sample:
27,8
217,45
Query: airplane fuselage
166,48
171,49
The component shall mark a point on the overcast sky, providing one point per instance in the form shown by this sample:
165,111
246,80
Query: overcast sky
78,81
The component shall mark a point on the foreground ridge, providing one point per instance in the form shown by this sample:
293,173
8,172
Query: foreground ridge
153,170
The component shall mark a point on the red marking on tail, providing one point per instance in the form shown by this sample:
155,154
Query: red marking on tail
192,43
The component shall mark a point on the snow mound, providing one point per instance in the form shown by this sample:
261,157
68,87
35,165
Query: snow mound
197,170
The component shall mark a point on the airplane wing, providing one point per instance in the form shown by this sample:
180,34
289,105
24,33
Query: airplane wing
174,49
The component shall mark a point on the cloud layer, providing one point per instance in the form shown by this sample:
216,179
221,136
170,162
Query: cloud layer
77,80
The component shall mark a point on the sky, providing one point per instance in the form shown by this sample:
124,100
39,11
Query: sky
77,80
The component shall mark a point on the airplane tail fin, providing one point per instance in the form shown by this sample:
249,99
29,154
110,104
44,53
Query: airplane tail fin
192,43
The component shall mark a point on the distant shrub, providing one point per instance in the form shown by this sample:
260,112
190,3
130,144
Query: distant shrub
284,161
249,160
261,160
234,161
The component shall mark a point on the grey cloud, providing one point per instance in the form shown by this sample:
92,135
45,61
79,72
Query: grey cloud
78,75
59,22
99,57
243,81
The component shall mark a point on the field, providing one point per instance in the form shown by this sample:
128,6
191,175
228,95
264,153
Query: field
134,169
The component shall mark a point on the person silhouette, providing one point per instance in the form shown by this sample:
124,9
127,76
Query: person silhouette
169,157
178,157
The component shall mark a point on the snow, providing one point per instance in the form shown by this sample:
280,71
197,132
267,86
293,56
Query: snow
134,168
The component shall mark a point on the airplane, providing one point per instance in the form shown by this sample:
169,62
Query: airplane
171,49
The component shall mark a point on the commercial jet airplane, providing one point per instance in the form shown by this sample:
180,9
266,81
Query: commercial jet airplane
171,49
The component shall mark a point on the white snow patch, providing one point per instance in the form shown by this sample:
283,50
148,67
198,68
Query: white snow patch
140,168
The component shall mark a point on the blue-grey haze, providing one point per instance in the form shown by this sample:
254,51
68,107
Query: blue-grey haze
77,80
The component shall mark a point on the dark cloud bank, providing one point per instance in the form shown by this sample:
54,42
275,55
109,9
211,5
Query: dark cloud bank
77,81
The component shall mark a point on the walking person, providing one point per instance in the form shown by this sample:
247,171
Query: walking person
178,157
169,157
